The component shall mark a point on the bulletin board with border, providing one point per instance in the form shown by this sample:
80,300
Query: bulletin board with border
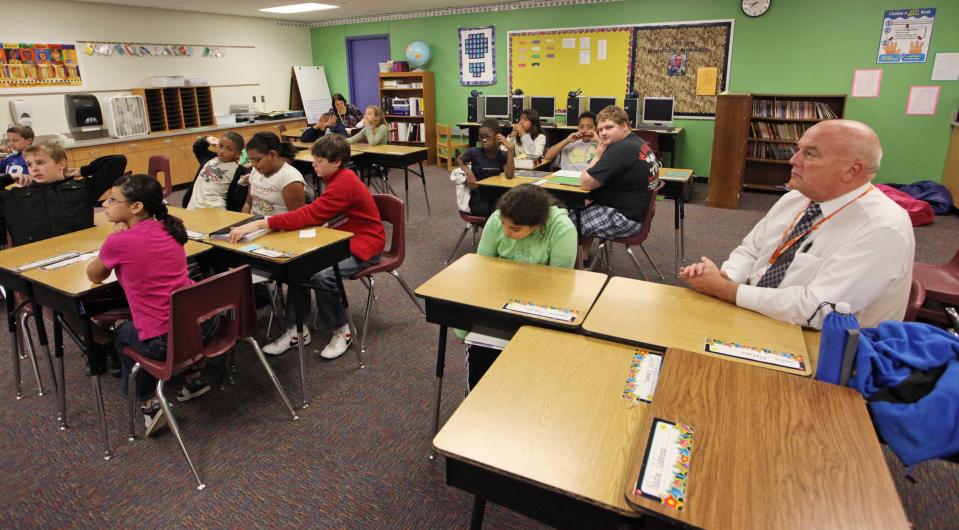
669,57
556,61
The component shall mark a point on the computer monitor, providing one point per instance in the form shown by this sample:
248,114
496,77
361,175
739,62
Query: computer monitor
544,105
497,107
658,112
599,103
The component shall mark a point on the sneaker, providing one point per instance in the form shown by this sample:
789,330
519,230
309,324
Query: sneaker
338,344
153,418
286,341
192,389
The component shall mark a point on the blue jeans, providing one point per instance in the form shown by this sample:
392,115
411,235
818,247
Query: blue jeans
328,304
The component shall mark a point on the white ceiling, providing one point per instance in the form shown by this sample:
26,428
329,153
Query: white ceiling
249,8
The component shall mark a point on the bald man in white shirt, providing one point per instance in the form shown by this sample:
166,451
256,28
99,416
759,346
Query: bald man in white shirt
833,238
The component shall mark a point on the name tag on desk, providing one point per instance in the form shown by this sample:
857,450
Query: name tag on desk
554,313
665,470
759,355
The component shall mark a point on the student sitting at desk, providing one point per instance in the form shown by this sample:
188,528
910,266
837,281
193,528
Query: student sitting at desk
376,131
527,227
19,138
527,136
221,182
49,204
619,178
579,148
833,238
478,163
275,186
345,204
325,124
146,251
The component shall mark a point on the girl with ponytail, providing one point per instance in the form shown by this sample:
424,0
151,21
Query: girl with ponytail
146,252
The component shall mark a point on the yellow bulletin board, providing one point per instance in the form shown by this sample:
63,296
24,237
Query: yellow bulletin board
554,62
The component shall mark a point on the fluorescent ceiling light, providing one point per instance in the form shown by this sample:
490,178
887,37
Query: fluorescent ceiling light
299,8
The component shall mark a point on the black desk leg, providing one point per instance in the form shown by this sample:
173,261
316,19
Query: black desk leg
15,349
677,200
426,194
349,317
406,190
62,386
682,226
479,509
440,366
97,391
298,311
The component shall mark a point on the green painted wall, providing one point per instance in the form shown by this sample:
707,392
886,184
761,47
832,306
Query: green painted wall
797,47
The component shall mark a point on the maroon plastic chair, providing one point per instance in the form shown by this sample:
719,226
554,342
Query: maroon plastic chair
636,240
391,211
651,138
474,222
161,164
917,296
941,283
230,295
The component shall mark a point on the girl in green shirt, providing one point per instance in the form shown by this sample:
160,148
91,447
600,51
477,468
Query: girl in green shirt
375,131
526,227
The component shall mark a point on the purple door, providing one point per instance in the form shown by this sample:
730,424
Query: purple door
363,55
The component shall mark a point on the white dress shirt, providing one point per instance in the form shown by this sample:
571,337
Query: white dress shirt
862,256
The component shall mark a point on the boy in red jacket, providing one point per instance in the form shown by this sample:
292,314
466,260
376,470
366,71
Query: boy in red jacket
346,205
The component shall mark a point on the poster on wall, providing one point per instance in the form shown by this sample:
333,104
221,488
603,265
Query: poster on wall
33,65
477,56
905,35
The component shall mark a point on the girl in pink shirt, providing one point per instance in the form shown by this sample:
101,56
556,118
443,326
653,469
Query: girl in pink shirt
146,252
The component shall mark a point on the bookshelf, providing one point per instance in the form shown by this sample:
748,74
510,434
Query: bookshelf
755,136
175,108
408,100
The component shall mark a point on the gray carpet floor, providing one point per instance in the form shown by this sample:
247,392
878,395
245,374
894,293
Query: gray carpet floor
357,456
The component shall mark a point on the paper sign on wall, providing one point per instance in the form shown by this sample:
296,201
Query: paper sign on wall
865,83
905,35
601,50
706,80
922,100
946,67
584,57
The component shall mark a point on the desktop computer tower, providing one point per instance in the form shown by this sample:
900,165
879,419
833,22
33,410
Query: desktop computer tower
575,107
633,110
518,104
472,110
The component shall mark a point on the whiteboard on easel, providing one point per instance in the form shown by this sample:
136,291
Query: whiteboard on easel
314,91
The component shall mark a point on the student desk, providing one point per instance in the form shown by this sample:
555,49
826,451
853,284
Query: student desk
573,197
676,188
547,433
473,290
664,316
304,257
67,290
769,450
300,146
292,134
556,133
206,220
398,157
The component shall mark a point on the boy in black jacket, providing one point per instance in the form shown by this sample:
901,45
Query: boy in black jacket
52,201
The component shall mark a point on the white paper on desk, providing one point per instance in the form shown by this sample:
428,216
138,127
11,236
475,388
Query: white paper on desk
865,83
308,233
569,43
524,163
583,56
487,338
922,100
540,182
946,67
569,173
601,50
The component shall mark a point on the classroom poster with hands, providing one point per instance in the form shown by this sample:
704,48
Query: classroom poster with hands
905,35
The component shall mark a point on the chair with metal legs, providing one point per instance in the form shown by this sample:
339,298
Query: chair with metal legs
474,223
229,295
602,252
391,211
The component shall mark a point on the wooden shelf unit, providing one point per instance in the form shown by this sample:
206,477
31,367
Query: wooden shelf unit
427,93
174,108
754,136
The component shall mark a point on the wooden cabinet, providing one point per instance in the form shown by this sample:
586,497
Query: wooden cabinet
178,107
418,85
950,176
771,125
178,148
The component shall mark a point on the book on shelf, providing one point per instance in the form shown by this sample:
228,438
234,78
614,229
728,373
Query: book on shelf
792,109
771,151
778,131
408,132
